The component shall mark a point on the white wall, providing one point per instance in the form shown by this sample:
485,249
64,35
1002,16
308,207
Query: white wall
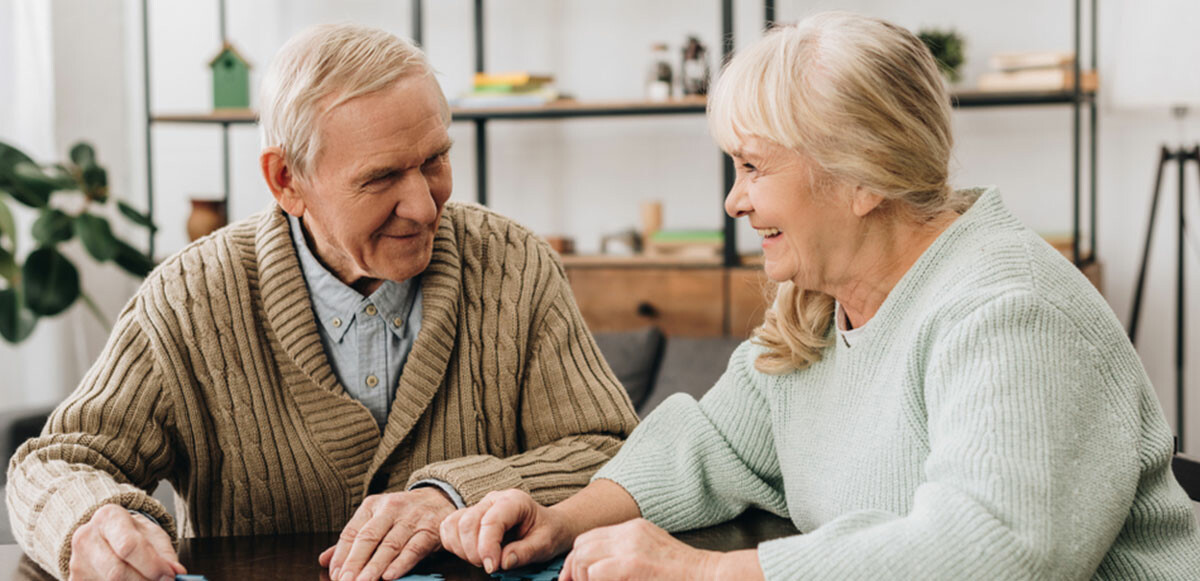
586,177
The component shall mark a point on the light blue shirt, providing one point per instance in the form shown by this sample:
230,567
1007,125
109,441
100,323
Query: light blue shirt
367,339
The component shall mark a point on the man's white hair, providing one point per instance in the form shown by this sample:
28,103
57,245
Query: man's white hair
321,68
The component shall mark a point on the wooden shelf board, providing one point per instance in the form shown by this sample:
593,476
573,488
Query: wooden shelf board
218,117
610,261
569,108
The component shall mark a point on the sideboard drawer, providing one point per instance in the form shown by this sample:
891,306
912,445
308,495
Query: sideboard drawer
680,301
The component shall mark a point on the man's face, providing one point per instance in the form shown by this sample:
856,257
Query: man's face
375,192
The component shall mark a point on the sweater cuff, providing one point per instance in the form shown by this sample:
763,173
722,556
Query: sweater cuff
472,476
136,500
455,497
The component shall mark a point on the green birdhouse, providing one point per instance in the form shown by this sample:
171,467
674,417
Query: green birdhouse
231,79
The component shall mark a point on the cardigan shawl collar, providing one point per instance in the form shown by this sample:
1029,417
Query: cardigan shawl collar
322,401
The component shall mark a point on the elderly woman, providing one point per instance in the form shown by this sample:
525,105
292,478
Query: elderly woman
936,393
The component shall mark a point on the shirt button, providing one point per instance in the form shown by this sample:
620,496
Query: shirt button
372,381
336,322
398,322
371,310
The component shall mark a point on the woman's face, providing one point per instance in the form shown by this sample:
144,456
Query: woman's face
805,222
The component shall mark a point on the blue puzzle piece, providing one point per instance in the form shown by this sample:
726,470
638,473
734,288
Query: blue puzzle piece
433,577
547,571
190,578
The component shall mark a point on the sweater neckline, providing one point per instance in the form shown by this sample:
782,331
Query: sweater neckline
987,208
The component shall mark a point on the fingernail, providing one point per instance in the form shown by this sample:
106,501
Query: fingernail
510,561
333,574
488,565
166,578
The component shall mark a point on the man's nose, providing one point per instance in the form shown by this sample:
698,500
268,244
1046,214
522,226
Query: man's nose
416,201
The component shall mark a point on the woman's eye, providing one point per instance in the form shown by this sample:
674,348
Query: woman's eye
749,167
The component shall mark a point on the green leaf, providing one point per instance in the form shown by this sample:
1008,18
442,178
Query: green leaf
51,282
97,236
135,216
9,158
52,227
95,182
83,155
16,323
8,267
8,226
28,185
132,260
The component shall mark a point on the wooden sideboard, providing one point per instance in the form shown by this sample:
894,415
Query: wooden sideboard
687,300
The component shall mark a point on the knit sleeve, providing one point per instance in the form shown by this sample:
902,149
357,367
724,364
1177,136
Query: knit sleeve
574,413
1034,461
105,444
690,464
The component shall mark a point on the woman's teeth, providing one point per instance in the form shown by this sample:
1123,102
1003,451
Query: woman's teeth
768,232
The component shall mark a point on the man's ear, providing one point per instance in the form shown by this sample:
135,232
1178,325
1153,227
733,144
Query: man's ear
281,181
864,201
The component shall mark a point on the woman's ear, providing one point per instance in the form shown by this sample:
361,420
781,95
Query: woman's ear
281,181
864,201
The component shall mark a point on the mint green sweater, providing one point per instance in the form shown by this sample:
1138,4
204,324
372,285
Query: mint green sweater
991,421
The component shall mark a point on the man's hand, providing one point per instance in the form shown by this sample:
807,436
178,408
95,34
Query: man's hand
388,535
116,544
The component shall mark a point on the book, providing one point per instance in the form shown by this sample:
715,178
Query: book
480,100
685,244
1015,61
512,79
1044,79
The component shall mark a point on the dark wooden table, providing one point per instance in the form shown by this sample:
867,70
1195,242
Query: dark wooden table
288,557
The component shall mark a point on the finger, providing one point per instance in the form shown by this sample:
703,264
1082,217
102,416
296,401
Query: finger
326,556
387,551
468,529
535,547
108,564
381,533
161,542
448,531
495,522
128,542
347,537
421,545
568,564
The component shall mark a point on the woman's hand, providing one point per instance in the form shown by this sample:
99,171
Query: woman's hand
638,549
475,534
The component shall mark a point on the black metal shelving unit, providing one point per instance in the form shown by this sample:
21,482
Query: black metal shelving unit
1077,99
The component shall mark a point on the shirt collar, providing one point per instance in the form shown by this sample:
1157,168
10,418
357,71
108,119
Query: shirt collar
336,305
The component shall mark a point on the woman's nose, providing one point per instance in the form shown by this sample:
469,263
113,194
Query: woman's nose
737,203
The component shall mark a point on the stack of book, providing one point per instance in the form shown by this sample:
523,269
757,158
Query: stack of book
685,244
515,89
1034,71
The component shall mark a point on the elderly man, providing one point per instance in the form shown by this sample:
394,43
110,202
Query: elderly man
362,356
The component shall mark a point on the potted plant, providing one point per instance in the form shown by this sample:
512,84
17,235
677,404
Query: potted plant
46,282
947,49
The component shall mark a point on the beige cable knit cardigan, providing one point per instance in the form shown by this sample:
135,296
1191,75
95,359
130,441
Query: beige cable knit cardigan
215,379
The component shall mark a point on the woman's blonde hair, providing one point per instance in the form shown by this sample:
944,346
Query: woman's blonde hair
321,68
864,101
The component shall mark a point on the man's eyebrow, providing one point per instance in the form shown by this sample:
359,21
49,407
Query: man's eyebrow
444,149
375,173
